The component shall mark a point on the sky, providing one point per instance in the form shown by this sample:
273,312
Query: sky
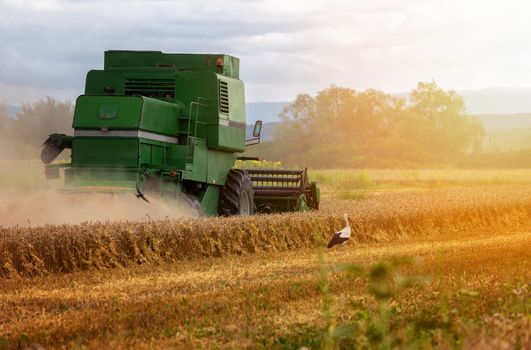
286,47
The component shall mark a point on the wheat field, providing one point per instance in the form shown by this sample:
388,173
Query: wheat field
401,216
447,266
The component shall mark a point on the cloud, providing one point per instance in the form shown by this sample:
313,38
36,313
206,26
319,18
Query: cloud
285,47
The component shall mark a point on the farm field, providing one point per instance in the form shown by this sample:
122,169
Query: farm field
477,295
438,259
265,175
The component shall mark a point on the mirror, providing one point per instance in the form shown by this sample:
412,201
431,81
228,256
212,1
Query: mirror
256,134
257,128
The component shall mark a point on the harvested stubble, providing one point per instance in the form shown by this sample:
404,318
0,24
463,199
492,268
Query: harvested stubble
70,248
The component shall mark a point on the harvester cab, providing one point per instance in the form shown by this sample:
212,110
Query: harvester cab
172,125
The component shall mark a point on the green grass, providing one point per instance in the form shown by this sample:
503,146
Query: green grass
362,183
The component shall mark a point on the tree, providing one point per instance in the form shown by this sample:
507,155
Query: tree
6,136
22,136
438,121
4,117
341,127
35,121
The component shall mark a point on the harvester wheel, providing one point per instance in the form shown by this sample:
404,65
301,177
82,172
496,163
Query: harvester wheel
237,196
191,203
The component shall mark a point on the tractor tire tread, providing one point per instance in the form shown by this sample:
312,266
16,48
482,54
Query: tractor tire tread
229,198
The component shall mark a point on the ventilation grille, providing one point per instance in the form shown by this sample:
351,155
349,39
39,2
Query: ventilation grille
223,97
156,88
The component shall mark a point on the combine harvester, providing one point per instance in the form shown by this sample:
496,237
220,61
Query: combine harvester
171,126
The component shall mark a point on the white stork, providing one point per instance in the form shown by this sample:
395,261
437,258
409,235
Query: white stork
341,237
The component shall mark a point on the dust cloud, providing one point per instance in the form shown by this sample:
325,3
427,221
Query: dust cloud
22,208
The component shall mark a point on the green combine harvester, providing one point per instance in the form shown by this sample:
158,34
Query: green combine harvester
171,126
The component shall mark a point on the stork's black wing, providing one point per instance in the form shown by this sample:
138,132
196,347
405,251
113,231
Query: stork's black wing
337,239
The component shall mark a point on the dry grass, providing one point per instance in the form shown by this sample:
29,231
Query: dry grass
70,248
479,295
423,177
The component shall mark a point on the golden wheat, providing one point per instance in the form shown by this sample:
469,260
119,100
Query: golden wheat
477,297
70,248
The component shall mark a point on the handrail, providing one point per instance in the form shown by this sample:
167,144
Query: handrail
192,104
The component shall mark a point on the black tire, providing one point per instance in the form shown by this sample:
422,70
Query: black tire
237,196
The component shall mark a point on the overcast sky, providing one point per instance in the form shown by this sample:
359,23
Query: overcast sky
286,47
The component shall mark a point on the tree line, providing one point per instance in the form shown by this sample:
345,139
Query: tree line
342,127
22,136
337,128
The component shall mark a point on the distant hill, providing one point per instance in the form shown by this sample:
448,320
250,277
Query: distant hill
498,100
13,110
502,122
264,111
266,130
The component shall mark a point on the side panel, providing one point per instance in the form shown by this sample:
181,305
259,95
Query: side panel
209,200
227,138
104,152
236,100
160,117
127,112
198,90
198,152
100,179
176,156
219,164
227,131
152,153
95,112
